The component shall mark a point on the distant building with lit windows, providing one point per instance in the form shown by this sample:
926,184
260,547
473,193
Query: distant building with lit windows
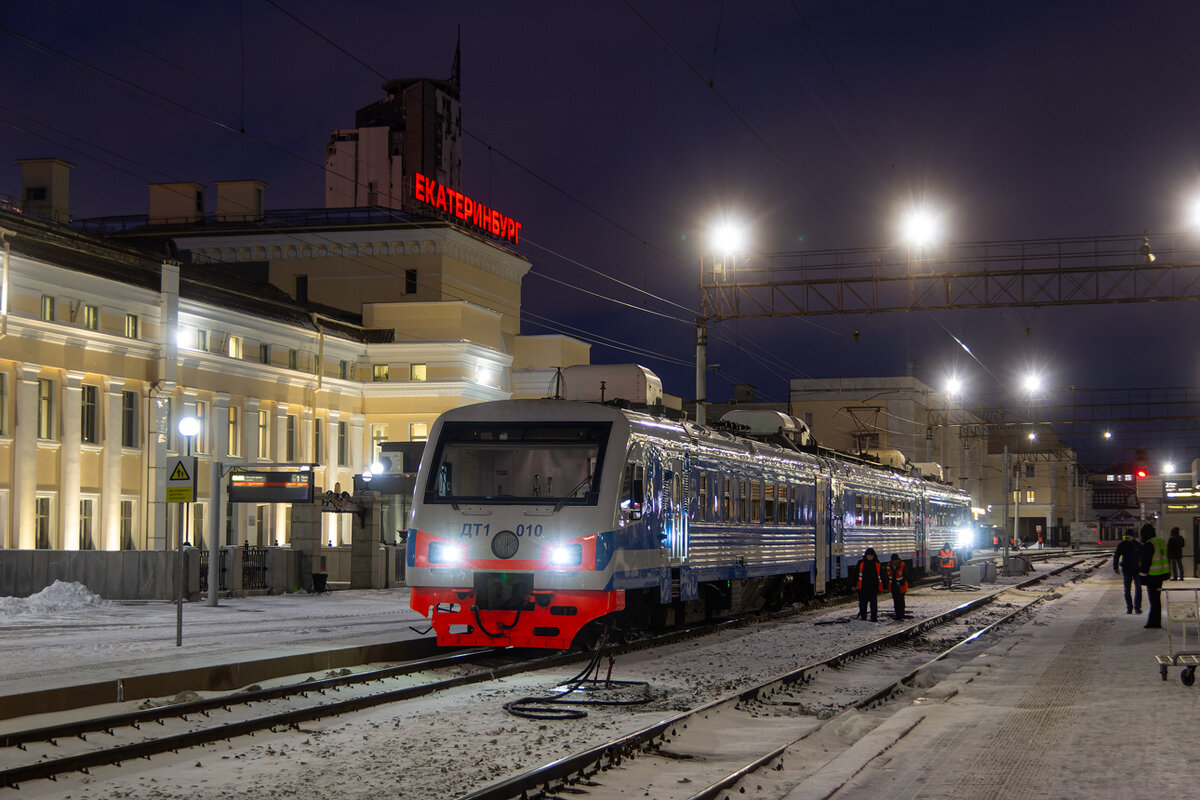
313,336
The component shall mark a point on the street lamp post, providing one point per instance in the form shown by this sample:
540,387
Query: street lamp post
727,239
188,428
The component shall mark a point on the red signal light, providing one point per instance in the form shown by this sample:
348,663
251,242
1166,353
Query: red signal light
1141,473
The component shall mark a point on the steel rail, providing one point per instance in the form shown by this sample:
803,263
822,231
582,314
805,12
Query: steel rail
544,781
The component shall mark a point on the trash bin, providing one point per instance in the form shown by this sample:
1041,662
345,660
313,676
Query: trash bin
320,582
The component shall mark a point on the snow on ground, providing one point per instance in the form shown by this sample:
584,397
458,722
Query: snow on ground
58,597
451,743
83,642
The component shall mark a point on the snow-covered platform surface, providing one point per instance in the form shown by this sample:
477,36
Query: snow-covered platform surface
65,635
1070,706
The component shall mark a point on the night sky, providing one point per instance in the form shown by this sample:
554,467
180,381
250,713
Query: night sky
617,132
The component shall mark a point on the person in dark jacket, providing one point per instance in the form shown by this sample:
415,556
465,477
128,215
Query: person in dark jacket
1126,560
897,579
1175,554
870,584
1154,570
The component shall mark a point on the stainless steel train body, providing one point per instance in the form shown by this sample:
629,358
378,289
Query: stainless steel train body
533,518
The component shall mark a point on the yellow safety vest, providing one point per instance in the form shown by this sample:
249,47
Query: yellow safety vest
1158,563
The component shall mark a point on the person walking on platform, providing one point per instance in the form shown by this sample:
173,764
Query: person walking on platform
1154,571
946,562
1175,554
995,543
870,584
1127,560
897,579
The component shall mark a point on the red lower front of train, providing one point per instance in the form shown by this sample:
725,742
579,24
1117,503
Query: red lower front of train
545,619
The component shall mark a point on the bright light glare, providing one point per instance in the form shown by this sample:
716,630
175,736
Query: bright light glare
566,555
184,338
920,227
954,387
1168,467
1108,434
445,553
728,237
367,475
964,537
1032,437
1032,383
189,426
376,468
1194,212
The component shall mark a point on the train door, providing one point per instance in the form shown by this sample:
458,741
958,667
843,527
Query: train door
822,509
922,555
675,493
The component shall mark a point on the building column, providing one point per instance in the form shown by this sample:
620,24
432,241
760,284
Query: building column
357,424
304,445
230,534
158,406
25,449
331,449
250,430
70,457
280,517
110,466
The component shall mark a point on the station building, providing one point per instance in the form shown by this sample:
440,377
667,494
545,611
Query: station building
314,336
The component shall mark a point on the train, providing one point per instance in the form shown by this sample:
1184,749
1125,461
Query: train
536,523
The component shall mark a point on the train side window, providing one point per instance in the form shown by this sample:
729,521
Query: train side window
858,509
756,501
769,504
633,489
727,501
741,513
701,497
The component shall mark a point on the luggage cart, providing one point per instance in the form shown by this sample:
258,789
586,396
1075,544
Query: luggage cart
1181,607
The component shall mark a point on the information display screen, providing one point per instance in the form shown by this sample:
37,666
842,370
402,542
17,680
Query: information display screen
271,487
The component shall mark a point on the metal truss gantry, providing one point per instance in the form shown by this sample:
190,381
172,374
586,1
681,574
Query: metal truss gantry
1136,268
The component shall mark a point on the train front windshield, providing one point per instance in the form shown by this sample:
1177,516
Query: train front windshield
498,463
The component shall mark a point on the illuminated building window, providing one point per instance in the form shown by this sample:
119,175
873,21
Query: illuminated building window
235,431
379,435
91,318
89,414
201,437
127,524
45,419
234,348
417,372
1029,496
3,403
131,326
202,341
43,521
379,372
290,443
418,431
129,419
317,442
48,308
264,439
87,515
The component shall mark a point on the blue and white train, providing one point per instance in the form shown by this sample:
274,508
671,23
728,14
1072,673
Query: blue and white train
536,520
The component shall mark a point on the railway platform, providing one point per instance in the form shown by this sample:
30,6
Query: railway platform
1071,705
122,650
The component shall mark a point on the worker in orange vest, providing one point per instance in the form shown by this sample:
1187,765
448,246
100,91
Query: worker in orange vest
946,556
870,584
995,542
897,573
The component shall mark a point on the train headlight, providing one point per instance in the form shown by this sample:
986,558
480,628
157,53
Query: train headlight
445,553
566,555
964,537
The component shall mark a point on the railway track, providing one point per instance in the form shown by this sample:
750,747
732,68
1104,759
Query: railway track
79,746
771,717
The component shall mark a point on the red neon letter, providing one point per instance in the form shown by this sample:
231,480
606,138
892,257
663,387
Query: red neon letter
468,208
517,234
420,187
441,197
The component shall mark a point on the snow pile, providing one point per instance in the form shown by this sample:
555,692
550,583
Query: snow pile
58,596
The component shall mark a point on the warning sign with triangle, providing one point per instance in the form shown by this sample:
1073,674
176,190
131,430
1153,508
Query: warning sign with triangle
180,473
